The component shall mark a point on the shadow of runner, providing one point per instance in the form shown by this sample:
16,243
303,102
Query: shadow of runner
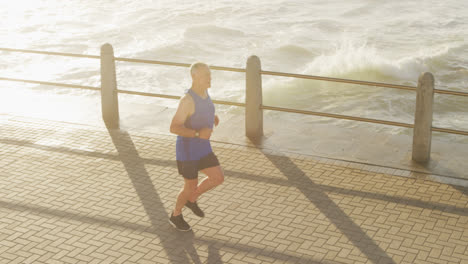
186,241
213,255
320,199
173,242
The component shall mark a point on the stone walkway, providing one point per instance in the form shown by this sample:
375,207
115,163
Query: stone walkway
73,193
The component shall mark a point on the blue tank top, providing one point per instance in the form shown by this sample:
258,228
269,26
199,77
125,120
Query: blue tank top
195,148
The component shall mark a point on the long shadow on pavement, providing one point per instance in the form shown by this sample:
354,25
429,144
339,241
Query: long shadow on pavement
333,212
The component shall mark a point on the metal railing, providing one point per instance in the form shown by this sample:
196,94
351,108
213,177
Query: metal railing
52,84
220,68
256,71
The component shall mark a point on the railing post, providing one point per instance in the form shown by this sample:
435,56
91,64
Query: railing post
253,99
422,132
109,96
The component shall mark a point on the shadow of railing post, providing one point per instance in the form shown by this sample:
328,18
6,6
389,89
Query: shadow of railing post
330,209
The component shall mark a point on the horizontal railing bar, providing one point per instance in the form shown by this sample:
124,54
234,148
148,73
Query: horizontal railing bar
387,85
229,103
320,78
384,122
175,97
219,68
450,92
450,131
51,53
149,94
52,84
376,121
153,62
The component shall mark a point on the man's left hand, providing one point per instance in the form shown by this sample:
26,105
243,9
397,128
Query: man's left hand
216,121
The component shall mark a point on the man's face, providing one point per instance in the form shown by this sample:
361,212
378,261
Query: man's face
204,78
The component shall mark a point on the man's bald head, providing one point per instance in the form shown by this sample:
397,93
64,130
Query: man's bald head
201,75
198,68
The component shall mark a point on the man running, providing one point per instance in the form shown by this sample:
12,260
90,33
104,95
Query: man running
193,123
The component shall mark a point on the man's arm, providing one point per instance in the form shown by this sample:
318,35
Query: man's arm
216,120
185,109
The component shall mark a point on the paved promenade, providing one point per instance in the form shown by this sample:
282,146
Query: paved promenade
73,193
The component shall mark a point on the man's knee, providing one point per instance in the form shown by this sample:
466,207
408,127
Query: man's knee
218,180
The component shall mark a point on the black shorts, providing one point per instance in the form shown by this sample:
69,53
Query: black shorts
189,168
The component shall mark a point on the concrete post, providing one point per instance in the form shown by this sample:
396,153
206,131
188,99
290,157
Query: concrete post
253,99
109,96
422,132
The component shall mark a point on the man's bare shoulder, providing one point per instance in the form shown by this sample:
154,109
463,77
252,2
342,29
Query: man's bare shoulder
186,99
186,102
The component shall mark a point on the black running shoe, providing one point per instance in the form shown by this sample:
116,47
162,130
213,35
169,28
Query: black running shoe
179,223
195,209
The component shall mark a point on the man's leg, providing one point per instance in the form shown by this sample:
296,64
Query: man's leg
215,177
190,185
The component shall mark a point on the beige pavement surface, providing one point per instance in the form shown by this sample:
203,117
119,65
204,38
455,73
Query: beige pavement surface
72,193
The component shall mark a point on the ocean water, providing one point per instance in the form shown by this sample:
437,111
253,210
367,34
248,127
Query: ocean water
382,41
